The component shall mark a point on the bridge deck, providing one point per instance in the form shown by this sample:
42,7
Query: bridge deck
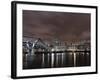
40,52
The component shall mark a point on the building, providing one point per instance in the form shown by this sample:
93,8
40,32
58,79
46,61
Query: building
30,46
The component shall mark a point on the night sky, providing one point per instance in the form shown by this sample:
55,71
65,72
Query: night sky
61,25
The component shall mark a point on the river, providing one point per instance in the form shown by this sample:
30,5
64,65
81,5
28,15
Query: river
56,60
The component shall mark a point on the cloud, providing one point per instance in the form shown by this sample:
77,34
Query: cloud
50,25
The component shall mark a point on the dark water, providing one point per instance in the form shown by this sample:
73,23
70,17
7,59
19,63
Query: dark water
56,60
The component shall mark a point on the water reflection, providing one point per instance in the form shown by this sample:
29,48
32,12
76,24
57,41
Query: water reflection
53,60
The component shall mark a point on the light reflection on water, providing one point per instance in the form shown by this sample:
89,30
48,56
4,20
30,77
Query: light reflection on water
53,60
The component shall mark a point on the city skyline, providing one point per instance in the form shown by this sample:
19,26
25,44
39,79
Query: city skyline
44,39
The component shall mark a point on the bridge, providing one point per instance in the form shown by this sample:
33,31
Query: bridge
44,52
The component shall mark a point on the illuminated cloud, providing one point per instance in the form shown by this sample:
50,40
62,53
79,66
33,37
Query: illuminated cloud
62,25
